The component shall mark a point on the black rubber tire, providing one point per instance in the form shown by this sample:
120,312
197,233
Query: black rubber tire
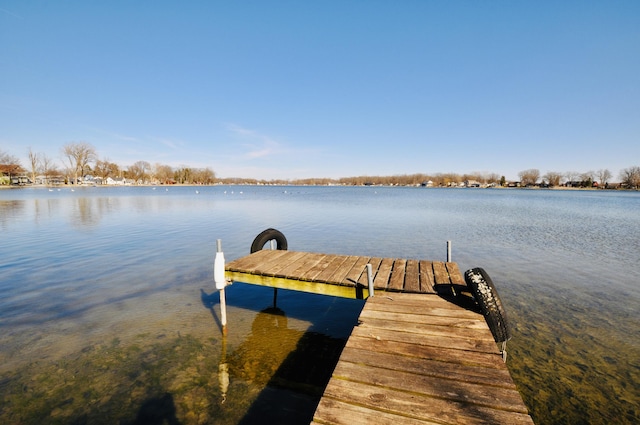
267,235
485,294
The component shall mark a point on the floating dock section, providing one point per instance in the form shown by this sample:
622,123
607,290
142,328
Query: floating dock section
416,357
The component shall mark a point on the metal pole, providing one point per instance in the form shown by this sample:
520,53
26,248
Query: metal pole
219,278
448,251
223,312
370,279
272,244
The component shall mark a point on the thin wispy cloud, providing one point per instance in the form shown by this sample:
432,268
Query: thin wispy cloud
112,134
8,12
169,143
126,138
257,145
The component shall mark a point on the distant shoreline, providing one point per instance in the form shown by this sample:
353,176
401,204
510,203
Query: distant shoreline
8,187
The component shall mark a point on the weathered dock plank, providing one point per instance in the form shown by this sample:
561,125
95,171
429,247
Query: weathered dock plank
259,259
315,270
454,274
356,271
451,322
412,276
339,277
382,276
435,364
333,263
435,368
353,403
427,280
298,267
440,273
396,280
499,398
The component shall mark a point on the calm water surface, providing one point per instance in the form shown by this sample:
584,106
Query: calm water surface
108,312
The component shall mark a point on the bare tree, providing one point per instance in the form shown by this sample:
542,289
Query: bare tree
105,169
9,165
553,178
78,155
529,177
34,159
163,173
586,178
203,176
571,176
631,177
139,171
493,178
603,176
47,167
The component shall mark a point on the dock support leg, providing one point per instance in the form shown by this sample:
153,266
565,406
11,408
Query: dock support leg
370,280
448,251
272,245
223,312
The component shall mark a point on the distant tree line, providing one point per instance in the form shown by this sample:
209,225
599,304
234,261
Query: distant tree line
80,159
629,177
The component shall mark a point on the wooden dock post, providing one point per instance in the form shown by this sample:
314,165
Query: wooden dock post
370,279
448,251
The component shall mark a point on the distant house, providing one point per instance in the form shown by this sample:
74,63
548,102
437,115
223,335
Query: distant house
118,181
52,180
20,180
471,183
428,183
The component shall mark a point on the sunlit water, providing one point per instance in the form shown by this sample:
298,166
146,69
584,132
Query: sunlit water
108,312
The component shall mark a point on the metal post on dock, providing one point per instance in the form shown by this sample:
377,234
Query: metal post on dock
272,245
448,251
370,279
218,277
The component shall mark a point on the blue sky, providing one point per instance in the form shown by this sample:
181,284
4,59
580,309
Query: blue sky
296,89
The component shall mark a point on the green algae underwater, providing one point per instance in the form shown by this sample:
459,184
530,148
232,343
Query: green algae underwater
276,375
547,360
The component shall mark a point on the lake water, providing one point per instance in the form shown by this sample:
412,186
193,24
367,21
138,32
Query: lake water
108,310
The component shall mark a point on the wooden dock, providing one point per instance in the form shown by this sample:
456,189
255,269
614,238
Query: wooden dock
342,275
415,358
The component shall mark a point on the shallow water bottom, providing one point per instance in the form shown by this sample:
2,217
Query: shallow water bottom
272,367
570,366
